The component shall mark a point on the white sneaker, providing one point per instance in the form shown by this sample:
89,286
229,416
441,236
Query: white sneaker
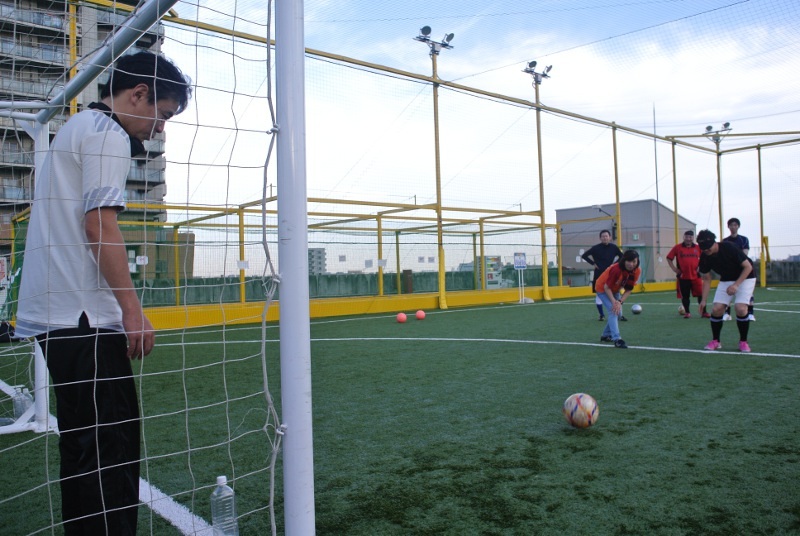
726,317
751,318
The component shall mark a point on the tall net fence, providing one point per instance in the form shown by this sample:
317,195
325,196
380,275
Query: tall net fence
403,167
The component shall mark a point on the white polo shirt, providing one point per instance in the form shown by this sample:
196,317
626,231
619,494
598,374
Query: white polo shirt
85,169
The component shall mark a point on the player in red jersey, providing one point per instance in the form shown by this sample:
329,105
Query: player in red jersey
684,258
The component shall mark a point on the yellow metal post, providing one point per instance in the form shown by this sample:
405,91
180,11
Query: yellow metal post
543,230
719,187
439,234
762,269
482,259
242,297
560,258
177,259
397,257
475,261
380,256
73,52
675,194
616,185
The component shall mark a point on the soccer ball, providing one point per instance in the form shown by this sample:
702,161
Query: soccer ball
581,410
681,310
637,309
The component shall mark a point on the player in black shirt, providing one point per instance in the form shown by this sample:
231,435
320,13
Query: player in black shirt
737,280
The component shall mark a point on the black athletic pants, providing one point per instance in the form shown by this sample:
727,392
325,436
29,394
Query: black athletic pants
98,419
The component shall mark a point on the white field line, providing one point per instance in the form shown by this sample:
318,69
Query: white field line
561,343
176,514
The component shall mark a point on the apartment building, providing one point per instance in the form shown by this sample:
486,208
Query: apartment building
39,41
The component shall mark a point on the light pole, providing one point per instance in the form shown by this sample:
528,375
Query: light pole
613,222
538,77
436,47
717,136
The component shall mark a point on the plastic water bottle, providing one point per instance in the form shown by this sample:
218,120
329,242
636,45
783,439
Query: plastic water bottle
22,400
223,509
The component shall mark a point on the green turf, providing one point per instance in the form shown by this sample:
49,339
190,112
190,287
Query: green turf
452,425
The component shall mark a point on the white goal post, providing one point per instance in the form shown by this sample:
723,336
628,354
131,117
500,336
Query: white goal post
295,351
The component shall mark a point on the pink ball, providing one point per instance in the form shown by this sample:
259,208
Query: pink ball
401,317
420,315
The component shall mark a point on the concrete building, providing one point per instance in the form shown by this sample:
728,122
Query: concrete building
646,226
36,47
317,262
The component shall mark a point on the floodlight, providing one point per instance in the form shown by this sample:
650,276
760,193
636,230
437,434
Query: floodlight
726,125
547,69
448,37
532,64
425,30
709,128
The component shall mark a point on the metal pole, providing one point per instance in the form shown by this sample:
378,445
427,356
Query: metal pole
482,259
616,185
41,392
543,230
397,257
762,269
380,255
242,290
560,263
719,187
177,267
439,235
675,194
295,331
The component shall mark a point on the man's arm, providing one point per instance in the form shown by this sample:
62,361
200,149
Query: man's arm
673,267
588,256
108,247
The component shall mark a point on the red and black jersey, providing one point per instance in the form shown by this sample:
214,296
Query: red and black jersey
688,259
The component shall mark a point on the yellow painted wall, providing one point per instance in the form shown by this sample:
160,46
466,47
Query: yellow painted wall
248,313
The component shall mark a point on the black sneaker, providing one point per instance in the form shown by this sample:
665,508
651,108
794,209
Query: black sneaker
606,339
619,343
622,318
602,318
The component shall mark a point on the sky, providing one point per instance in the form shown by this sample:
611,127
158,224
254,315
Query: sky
668,66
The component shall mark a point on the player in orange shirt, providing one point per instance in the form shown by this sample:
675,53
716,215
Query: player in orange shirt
622,275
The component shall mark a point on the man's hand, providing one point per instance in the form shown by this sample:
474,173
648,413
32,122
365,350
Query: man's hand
731,290
616,308
140,333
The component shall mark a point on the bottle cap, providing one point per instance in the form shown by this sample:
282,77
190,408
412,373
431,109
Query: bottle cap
222,481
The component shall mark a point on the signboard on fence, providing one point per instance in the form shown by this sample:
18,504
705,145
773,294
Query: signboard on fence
519,261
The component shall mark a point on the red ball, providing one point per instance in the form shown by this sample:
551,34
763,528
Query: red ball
401,317
420,315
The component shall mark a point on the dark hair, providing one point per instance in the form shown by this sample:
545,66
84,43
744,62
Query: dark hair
604,231
162,77
734,220
706,239
629,255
